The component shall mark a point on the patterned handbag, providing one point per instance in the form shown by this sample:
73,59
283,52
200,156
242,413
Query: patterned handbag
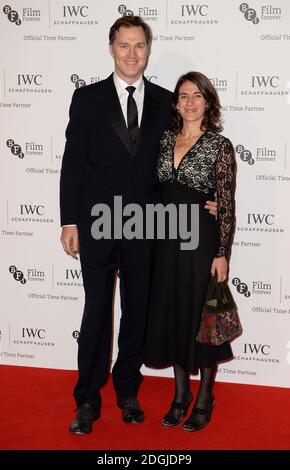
220,320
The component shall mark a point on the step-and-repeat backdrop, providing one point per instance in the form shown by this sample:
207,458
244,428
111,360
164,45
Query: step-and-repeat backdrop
51,47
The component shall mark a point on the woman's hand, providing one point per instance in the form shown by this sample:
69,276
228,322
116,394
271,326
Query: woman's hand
212,207
220,267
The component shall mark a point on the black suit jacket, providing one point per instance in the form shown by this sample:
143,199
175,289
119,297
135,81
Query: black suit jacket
98,162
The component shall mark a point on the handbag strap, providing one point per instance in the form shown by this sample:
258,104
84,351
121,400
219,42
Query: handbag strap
221,294
224,295
212,289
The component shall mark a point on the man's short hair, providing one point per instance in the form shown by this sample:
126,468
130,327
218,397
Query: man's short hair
130,22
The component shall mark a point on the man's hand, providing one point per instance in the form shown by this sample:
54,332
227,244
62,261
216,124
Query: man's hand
70,241
212,207
220,266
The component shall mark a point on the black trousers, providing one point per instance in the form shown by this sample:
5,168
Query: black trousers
99,261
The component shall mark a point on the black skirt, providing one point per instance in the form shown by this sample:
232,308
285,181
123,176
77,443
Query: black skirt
179,284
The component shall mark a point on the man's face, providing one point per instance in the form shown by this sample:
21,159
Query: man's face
130,53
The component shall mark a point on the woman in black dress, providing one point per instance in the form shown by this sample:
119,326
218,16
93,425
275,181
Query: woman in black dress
196,162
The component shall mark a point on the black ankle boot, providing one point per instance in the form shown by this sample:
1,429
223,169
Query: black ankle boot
199,417
177,412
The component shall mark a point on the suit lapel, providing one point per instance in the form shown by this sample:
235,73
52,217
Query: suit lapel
115,114
151,107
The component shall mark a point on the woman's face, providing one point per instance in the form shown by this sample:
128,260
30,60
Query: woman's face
191,104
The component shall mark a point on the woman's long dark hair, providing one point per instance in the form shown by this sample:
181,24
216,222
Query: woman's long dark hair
212,116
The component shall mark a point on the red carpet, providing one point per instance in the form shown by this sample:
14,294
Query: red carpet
37,407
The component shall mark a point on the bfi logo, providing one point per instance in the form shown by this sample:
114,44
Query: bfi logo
241,287
262,154
17,274
15,148
142,11
249,13
78,82
124,11
76,334
31,148
28,14
12,15
245,155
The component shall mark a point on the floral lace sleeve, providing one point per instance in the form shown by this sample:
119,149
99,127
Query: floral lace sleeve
225,172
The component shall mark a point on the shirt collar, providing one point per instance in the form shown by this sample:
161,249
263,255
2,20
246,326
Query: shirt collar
121,85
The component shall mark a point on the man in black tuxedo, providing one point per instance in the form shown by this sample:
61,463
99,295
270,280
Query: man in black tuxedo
112,148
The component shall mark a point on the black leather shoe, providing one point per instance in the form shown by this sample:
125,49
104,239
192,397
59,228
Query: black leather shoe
86,414
131,410
177,412
199,418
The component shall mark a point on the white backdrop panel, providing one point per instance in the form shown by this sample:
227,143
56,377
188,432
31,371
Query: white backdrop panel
47,49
